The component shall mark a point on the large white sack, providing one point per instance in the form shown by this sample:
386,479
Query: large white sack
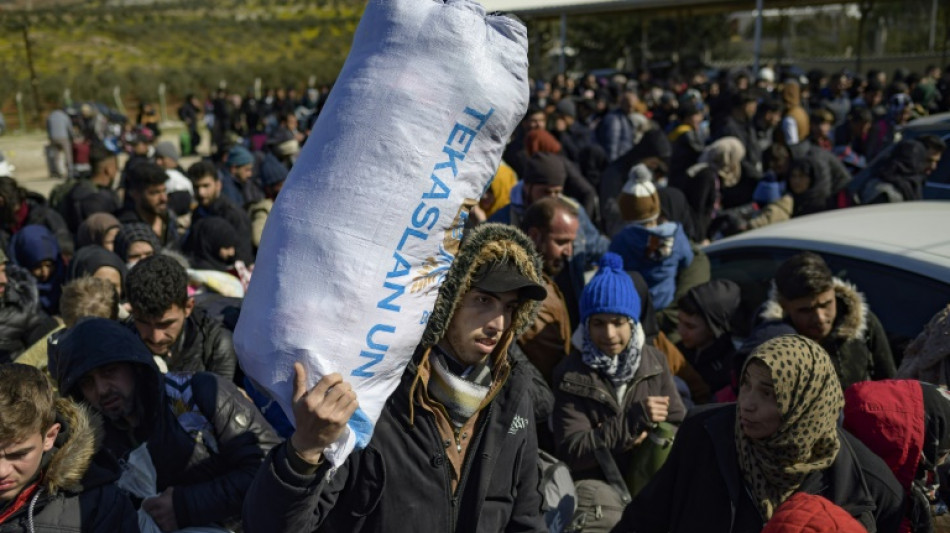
368,222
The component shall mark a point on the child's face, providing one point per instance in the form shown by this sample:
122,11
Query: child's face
694,331
798,182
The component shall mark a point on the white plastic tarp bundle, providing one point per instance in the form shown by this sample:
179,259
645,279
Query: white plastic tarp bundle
370,217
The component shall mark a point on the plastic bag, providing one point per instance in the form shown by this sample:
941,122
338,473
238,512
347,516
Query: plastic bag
369,219
138,478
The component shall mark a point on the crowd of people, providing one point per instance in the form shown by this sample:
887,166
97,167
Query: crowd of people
578,324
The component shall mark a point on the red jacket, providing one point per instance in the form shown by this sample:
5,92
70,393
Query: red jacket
888,417
808,513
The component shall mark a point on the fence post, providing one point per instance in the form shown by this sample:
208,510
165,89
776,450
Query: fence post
117,95
161,102
67,97
257,89
20,112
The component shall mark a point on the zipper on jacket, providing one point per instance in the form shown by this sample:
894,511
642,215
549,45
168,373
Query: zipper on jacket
467,462
458,439
446,468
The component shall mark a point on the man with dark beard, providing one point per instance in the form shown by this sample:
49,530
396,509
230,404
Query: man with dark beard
203,437
551,223
146,189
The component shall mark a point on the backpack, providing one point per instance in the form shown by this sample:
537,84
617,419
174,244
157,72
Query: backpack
182,403
558,495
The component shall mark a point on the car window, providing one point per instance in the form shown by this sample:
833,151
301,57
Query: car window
752,270
903,301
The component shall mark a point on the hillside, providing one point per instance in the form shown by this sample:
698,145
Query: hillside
91,48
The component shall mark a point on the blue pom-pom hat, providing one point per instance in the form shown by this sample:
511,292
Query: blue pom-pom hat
610,291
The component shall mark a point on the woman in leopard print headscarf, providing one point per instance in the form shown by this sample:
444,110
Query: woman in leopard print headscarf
789,400
733,465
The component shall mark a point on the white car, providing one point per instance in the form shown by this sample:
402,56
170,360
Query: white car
898,255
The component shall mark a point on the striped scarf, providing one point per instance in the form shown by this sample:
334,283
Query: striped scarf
618,369
461,395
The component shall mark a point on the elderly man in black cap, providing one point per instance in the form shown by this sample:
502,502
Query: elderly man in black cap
455,447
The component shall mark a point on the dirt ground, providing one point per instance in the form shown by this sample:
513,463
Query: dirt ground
25,152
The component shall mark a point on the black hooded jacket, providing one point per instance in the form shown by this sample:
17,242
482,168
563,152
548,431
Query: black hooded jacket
22,320
905,170
717,301
209,485
815,198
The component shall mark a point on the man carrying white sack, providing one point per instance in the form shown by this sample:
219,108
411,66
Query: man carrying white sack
454,448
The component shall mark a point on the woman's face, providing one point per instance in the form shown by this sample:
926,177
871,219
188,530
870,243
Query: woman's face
43,270
798,181
139,250
759,415
227,254
111,275
611,333
108,240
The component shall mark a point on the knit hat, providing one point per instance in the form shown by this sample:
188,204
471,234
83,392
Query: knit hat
272,171
639,200
767,191
688,108
566,107
541,141
545,169
238,156
166,150
610,291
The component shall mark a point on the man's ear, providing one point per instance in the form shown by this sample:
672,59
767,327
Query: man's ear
189,306
536,236
50,438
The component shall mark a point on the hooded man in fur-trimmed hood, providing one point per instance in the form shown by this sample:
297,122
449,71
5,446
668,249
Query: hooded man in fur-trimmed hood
454,448
47,480
832,312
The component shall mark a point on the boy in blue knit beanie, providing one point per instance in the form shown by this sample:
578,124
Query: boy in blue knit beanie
610,394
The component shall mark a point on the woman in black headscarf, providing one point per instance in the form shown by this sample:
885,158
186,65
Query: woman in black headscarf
97,262
211,244
136,241
810,188
905,169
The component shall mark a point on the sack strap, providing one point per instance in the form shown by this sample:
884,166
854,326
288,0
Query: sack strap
610,469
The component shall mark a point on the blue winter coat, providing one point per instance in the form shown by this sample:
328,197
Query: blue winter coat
658,254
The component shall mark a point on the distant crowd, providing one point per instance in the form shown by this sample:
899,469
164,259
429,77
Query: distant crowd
579,326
